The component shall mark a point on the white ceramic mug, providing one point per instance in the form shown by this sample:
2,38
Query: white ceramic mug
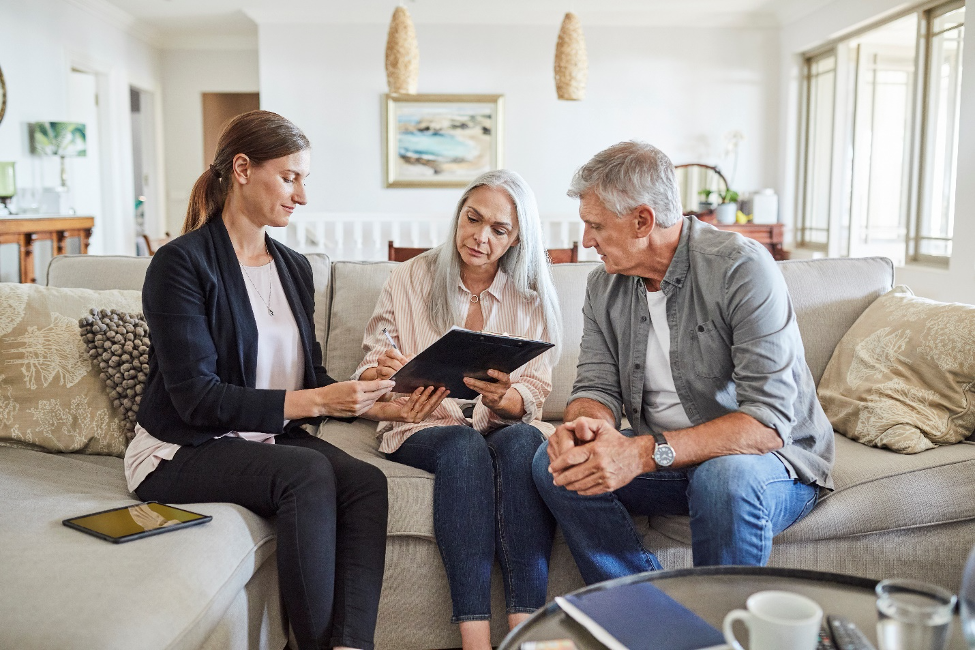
777,620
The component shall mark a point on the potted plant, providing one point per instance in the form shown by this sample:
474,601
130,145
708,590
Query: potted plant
704,203
726,212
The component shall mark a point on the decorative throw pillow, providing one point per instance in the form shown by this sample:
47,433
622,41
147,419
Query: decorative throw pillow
118,342
903,376
51,397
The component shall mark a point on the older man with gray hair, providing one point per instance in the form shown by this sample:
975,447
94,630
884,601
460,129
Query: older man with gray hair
689,333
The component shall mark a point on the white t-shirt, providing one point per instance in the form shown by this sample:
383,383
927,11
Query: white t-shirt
661,406
279,367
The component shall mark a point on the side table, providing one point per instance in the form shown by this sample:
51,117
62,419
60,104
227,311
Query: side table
711,592
24,231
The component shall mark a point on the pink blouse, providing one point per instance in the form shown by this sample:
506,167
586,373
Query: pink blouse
403,310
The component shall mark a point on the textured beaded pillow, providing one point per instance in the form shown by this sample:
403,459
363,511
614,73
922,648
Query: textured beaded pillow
118,342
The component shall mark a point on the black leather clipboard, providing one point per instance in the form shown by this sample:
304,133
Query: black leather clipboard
464,353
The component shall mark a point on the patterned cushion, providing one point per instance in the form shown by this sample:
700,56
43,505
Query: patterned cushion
903,375
51,397
119,343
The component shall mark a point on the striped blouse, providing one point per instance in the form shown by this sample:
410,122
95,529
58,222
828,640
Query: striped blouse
403,310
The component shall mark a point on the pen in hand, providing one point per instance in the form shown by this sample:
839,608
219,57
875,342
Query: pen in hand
390,340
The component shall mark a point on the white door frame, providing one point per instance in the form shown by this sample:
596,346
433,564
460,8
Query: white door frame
156,226
114,231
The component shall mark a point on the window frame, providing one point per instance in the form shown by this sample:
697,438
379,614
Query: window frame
839,234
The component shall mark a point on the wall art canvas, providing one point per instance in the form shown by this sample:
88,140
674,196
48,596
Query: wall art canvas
57,138
441,140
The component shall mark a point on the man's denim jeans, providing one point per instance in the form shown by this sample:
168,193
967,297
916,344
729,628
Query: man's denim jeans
736,505
486,507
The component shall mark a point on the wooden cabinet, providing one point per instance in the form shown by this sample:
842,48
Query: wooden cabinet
770,235
24,231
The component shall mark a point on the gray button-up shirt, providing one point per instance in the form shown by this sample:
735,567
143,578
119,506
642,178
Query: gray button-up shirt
734,345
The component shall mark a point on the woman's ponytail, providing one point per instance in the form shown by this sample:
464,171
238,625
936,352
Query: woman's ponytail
206,199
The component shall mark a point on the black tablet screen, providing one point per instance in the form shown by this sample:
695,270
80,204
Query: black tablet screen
134,520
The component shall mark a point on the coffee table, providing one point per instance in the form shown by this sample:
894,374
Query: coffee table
711,592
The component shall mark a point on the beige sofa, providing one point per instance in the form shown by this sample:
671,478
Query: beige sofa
216,586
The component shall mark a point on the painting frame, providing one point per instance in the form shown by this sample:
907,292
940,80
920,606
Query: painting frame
426,171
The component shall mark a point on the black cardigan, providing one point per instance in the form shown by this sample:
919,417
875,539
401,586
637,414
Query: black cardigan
205,341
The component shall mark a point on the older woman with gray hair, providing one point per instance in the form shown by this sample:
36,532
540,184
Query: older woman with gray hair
491,274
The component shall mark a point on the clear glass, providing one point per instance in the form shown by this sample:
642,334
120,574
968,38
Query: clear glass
913,615
967,602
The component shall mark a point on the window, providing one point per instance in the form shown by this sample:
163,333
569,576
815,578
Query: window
879,147
821,86
933,236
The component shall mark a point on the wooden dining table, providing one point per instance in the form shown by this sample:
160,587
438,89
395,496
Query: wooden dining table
26,230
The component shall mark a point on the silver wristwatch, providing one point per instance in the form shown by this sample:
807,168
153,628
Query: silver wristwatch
664,454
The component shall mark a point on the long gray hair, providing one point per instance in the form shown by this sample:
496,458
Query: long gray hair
525,263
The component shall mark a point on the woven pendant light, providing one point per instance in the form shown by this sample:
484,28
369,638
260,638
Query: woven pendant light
403,58
570,67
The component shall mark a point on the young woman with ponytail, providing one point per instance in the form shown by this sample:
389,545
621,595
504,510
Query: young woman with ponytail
234,365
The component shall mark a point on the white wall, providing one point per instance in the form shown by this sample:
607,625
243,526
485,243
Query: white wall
678,88
187,74
955,283
40,41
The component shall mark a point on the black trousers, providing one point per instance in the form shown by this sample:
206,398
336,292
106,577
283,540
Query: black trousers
331,521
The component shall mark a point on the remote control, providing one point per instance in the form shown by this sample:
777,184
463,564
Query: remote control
824,640
846,635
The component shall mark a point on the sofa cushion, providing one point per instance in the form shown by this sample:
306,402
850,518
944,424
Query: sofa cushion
97,271
828,296
877,490
354,290
65,589
571,282
51,396
903,375
411,490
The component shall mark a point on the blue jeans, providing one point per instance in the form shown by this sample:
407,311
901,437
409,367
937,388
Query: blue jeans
736,505
485,507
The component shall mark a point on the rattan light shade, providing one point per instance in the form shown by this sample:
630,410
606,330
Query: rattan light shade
570,67
403,58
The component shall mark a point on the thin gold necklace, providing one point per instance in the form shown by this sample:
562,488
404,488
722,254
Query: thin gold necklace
260,297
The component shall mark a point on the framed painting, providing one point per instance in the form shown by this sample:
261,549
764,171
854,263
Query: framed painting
441,140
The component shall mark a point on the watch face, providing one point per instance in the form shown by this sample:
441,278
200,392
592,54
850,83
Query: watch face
664,455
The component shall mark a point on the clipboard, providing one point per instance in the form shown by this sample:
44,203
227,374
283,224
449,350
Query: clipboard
464,353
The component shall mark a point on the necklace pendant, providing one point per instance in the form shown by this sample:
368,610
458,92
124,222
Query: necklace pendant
270,312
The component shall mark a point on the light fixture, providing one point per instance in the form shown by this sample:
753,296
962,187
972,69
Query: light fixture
402,59
570,66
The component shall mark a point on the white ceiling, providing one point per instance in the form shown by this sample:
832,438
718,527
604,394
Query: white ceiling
168,23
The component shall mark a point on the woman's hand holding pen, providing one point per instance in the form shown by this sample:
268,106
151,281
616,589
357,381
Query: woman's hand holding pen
499,396
390,362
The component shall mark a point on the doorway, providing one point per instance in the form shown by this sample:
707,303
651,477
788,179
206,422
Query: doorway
218,110
145,194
